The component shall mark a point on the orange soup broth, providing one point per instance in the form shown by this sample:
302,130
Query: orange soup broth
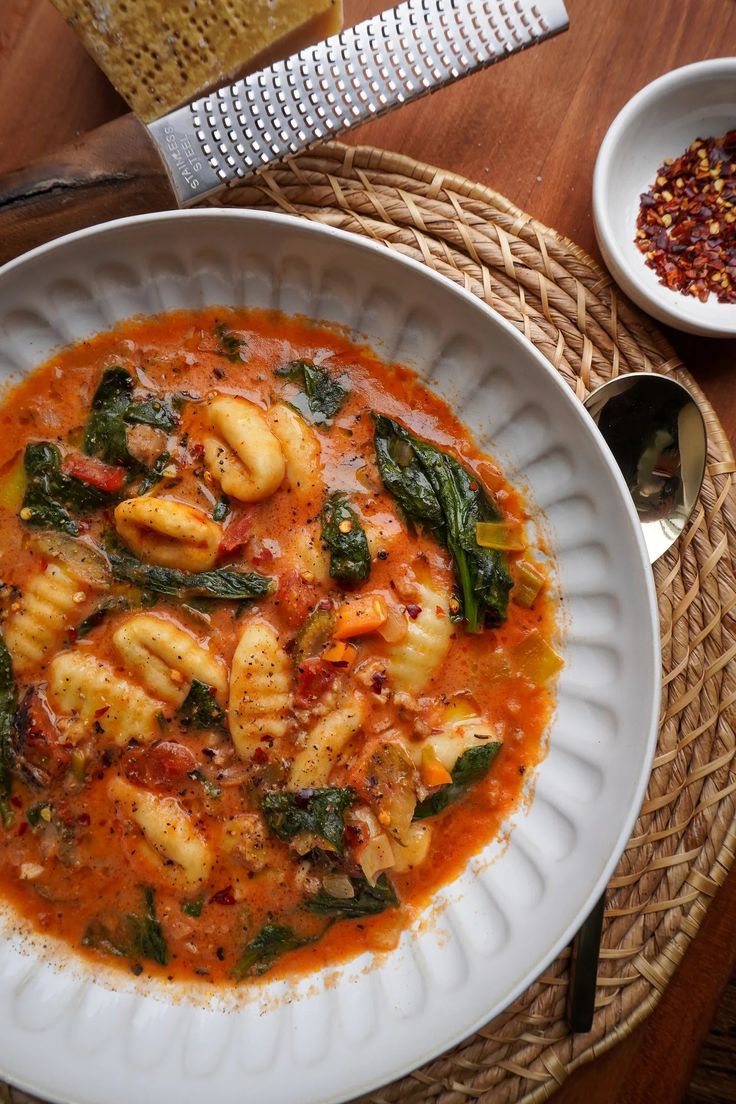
178,352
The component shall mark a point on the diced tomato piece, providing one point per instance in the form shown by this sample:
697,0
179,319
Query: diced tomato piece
160,765
105,477
296,598
237,531
315,676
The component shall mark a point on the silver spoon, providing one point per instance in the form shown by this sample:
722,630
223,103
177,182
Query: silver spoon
656,432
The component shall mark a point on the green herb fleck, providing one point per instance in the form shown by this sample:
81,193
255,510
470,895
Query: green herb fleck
193,907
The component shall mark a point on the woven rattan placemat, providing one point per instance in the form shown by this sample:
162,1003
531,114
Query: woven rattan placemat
683,842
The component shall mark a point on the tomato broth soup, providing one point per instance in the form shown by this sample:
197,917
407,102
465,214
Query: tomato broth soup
277,646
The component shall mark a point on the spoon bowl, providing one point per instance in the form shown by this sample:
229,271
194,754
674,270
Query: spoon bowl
656,432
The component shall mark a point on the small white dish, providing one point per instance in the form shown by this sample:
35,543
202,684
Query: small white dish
697,101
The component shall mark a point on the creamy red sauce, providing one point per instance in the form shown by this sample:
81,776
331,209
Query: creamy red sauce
74,860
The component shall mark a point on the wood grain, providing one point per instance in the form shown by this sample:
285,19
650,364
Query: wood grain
530,128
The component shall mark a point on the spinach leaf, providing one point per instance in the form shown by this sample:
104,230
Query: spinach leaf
193,907
350,558
200,709
222,509
472,765
225,583
98,615
272,941
8,707
229,343
325,396
146,937
434,490
152,412
105,434
368,900
137,936
155,474
113,409
320,812
51,494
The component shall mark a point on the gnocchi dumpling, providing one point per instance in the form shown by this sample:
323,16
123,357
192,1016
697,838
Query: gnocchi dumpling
260,689
245,457
301,452
307,556
90,692
45,615
324,742
168,533
411,663
166,658
169,830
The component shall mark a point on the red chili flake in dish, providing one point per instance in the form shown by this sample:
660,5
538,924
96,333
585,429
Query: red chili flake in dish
686,227
378,681
259,756
413,610
224,896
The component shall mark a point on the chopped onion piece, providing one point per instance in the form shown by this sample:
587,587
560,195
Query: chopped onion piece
529,582
536,660
374,857
501,535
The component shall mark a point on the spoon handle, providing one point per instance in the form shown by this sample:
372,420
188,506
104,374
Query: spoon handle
586,948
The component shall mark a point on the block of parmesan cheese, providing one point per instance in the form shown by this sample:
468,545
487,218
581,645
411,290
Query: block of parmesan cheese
160,54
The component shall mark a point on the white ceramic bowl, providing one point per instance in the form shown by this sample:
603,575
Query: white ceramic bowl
697,101
72,1033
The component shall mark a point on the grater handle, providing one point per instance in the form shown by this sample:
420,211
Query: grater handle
113,171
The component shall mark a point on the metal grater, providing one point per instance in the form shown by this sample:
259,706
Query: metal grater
397,56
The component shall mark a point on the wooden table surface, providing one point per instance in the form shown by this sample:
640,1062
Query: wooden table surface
529,128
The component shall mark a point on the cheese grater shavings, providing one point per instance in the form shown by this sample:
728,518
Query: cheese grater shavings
160,54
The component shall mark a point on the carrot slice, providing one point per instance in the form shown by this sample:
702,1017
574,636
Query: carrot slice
360,616
432,771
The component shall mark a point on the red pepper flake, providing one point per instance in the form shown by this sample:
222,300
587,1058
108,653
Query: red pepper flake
224,897
84,820
352,835
378,681
259,756
16,803
22,827
686,226
101,711
473,485
413,610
